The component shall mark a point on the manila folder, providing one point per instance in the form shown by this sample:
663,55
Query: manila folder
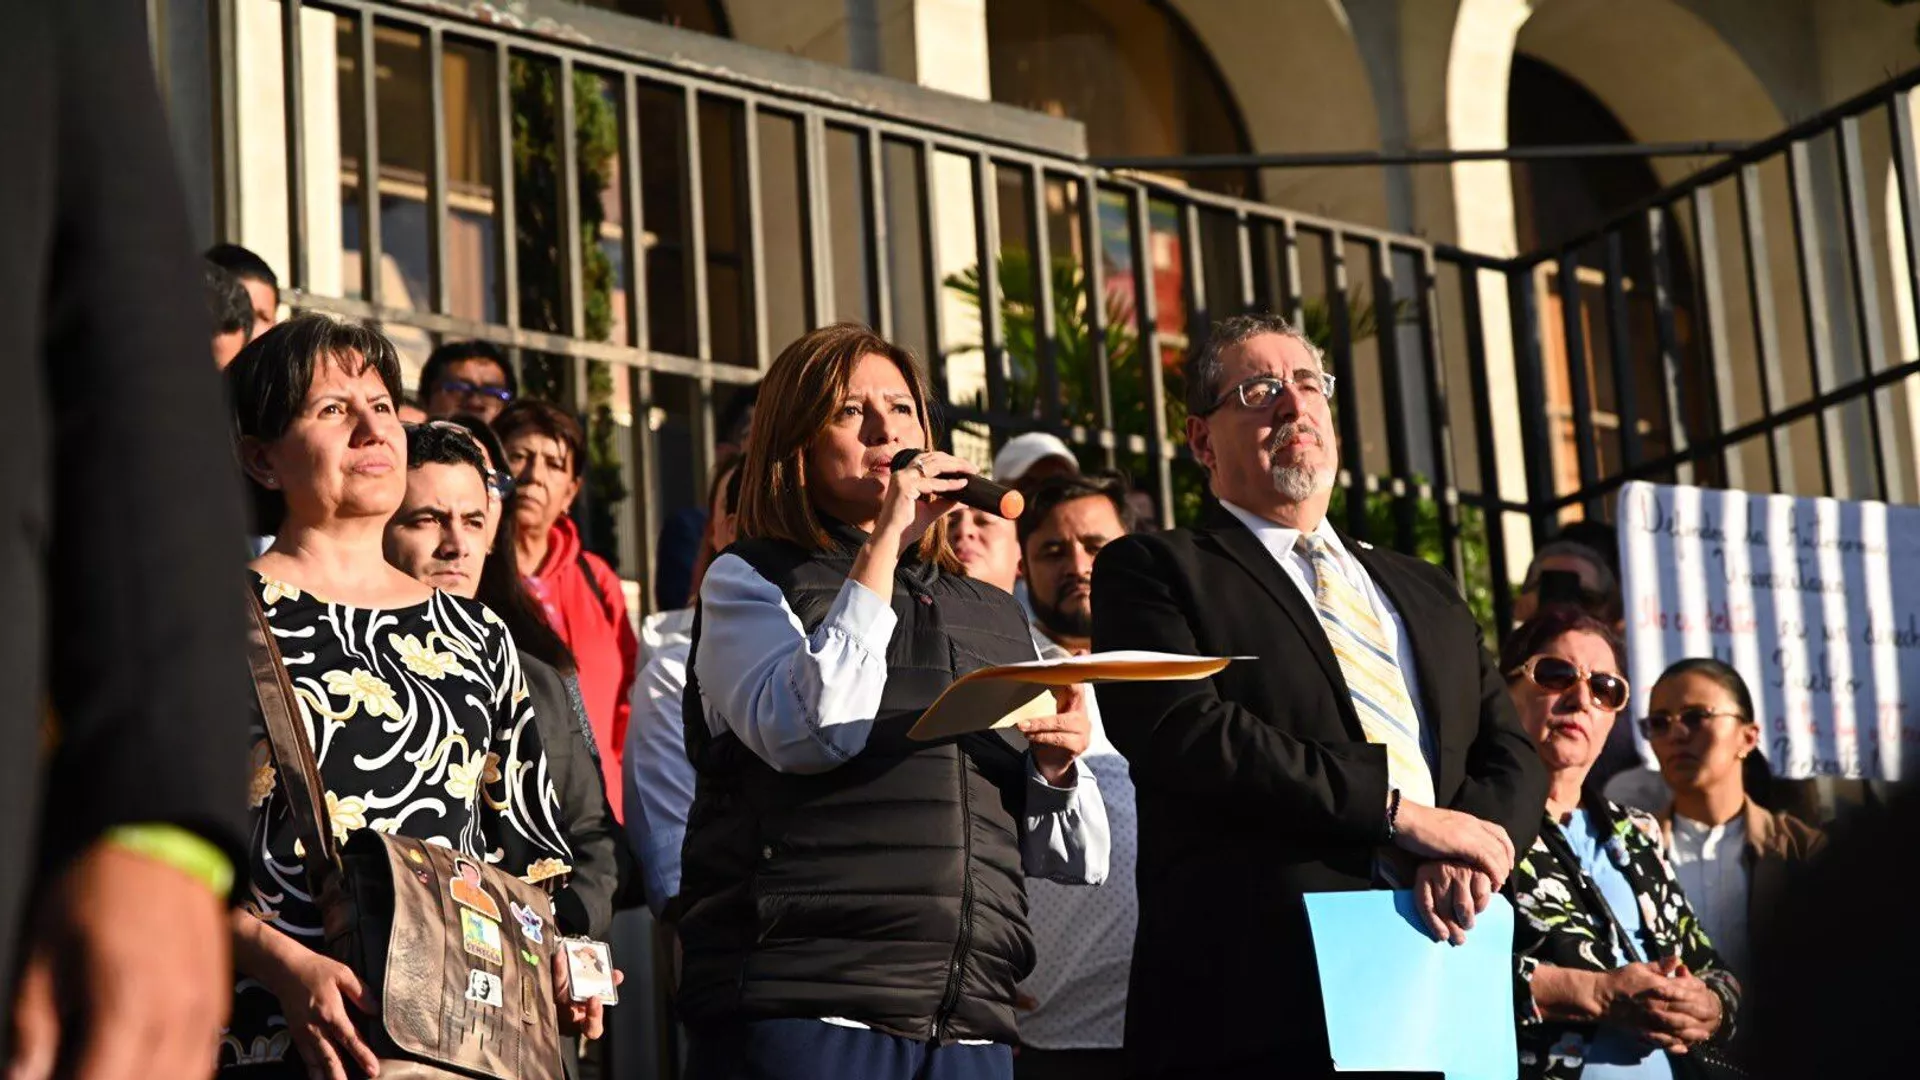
1005,695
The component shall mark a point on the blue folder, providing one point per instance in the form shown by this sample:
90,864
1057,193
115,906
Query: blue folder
1399,1001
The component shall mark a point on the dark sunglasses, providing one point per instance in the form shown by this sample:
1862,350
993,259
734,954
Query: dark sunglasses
1687,721
467,389
1553,673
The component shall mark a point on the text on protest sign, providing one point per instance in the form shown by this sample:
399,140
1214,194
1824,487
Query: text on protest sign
1816,602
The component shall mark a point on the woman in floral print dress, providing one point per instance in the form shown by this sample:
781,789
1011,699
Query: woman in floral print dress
1615,978
412,698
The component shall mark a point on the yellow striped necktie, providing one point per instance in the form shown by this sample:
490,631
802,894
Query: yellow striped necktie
1372,672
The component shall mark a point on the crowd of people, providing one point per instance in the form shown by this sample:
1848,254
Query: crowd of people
1108,887
1104,893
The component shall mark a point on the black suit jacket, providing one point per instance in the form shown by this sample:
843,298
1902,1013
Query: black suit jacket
585,906
121,538
1257,785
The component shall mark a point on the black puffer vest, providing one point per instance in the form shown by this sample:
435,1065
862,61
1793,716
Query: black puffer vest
888,890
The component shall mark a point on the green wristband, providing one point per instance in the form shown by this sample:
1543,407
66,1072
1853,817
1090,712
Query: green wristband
185,851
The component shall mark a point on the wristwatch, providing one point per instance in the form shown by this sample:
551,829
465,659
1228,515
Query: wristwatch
1393,814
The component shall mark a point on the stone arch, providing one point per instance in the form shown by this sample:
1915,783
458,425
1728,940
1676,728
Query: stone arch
1302,84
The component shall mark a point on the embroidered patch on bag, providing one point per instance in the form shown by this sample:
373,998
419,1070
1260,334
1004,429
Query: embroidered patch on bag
529,920
469,893
481,937
483,987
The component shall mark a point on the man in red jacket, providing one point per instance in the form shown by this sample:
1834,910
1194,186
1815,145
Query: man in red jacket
580,593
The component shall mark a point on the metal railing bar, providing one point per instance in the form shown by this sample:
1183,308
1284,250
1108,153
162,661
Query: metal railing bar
1626,390
986,246
1324,159
1816,124
1579,386
294,103
1045,327
814,224
1866,307
1671,374
750,181
572,257
1834,473
372,246
1528,370
1719,356
634,241
509,239
1766,328
437,282
1719,443
1146,312
881,283
930,274
1094,273
1347,413
700,300
1393,392
1485,446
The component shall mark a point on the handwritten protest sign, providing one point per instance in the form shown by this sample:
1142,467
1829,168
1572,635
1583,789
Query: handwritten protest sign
1815,602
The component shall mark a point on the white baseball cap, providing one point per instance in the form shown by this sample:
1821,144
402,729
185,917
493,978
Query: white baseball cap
1023,452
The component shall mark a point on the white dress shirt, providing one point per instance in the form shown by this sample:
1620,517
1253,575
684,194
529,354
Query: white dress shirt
1280,541
659,777
1709,861
1083,937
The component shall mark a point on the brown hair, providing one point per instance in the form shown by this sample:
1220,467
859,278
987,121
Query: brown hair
544,418
1550,625
802,388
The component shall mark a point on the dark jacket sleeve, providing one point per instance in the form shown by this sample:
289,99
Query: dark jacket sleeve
585,906
1184,738
147,669
1506,783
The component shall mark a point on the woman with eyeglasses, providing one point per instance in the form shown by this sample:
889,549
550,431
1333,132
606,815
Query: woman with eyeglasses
1734,858
1616,978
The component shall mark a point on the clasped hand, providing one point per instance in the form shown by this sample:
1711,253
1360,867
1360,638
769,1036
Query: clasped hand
1663,1002
1467,860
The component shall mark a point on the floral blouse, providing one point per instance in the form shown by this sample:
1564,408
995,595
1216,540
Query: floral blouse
1563,922
421,725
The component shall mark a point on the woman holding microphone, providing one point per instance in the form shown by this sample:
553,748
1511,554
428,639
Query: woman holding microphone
852,901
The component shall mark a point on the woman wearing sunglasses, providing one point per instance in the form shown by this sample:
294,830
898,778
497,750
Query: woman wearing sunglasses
1734,858
1616,978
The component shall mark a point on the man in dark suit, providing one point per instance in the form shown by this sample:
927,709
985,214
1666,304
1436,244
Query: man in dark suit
1370,742
122,676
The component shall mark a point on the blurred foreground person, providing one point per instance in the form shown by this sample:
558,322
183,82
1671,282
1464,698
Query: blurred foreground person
122,765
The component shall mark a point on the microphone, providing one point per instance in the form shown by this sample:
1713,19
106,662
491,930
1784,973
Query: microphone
980,492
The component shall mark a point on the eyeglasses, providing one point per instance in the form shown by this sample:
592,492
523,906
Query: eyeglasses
1553,673
1687,721
464,388
1261,391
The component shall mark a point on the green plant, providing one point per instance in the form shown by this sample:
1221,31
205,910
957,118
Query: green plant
539,246
1074,357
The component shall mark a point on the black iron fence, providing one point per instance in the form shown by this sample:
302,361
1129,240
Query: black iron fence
644,218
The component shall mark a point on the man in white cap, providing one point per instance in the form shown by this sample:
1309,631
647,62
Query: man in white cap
1032,457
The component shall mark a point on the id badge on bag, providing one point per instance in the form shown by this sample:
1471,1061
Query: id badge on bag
590,970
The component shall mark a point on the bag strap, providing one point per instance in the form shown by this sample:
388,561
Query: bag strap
586,571
1596,898
292,753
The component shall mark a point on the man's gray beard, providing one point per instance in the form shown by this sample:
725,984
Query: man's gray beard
1298,483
